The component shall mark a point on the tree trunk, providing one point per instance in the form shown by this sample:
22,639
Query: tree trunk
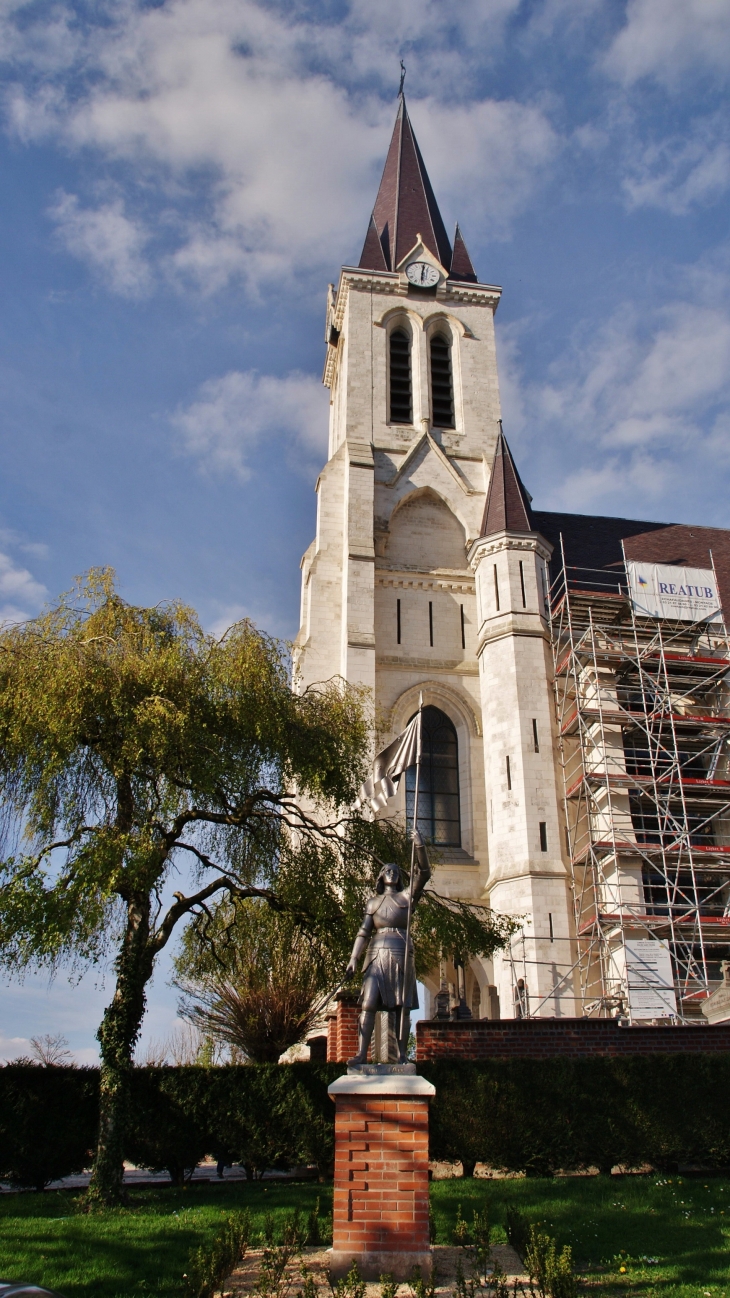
117,1037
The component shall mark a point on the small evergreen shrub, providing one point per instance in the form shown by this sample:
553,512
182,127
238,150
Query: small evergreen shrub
210,1264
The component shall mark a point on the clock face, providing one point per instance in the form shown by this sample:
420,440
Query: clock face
422,274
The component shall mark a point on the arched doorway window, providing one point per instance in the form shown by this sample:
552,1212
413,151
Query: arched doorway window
401,404
438,790
442,384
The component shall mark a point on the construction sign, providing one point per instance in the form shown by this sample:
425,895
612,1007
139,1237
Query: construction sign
679,594
650,979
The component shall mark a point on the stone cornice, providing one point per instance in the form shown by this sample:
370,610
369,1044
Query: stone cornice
501,541
451,666
511,624
424,581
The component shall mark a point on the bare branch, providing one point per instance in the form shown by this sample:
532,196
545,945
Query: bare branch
184,905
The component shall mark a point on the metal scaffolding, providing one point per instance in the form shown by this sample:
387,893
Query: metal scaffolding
643,715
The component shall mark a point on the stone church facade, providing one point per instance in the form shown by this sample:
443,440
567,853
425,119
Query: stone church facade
429,574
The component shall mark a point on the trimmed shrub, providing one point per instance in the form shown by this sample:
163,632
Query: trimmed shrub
49,1118
273,1115
168,1128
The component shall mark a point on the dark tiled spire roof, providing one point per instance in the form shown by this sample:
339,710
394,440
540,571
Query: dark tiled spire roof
461,267
406,205
373,256
508,505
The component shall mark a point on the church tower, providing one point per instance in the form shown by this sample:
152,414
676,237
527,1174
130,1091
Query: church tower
394,591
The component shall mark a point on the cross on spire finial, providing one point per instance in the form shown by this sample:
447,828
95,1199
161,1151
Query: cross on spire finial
402,77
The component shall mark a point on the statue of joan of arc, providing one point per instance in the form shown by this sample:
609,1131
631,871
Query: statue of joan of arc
388,971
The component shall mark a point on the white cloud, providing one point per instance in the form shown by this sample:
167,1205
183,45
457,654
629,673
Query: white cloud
20,593
629,414
508,146
233,414
237,113
670,39
107,240
682,171
12,1047
268,619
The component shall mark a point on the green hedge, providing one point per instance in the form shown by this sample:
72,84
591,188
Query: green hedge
532,1116
540,1115
48,1122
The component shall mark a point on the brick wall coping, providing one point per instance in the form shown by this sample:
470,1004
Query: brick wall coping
372,1086
475,1039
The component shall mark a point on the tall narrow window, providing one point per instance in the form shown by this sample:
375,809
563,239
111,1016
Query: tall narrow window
543,836
438,789
430,623
522,584
401,404
397,618
463,629
509,774
535,738
496,587
442,385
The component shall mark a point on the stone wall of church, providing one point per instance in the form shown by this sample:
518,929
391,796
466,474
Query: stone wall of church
389,597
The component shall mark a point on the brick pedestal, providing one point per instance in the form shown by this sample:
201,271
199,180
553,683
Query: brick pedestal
342,1028
381,1173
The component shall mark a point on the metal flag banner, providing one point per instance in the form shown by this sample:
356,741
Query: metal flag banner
680,594
389,766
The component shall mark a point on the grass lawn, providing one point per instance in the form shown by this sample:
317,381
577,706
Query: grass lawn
142,1249
610,1224
614,1223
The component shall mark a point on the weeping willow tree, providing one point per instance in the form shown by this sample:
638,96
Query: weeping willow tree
135,750
133,747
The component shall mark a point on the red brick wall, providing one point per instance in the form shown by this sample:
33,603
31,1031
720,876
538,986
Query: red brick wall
381,1175
542,1038
342,1030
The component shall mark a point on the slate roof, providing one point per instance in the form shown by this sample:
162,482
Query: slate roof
406,207
461,267
508,504
593,541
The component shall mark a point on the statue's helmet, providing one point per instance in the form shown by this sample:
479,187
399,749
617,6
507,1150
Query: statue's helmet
398,881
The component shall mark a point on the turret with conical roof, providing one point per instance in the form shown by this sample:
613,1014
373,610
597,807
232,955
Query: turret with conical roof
406,210
508,504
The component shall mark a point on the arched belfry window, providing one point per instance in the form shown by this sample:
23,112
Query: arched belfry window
401,400
438,788
442,383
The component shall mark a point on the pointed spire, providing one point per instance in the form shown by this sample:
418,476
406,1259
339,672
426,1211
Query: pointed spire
373,256
508,504
461,267
406,205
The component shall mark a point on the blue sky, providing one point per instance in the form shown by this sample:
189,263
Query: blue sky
182,179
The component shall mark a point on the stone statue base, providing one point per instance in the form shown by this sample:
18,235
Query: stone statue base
380,1216
381,1070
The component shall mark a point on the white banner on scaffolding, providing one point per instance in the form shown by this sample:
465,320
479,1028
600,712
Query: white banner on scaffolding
681,594
650,980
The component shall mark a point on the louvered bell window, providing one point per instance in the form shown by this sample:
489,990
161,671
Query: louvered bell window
442,385
401,402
